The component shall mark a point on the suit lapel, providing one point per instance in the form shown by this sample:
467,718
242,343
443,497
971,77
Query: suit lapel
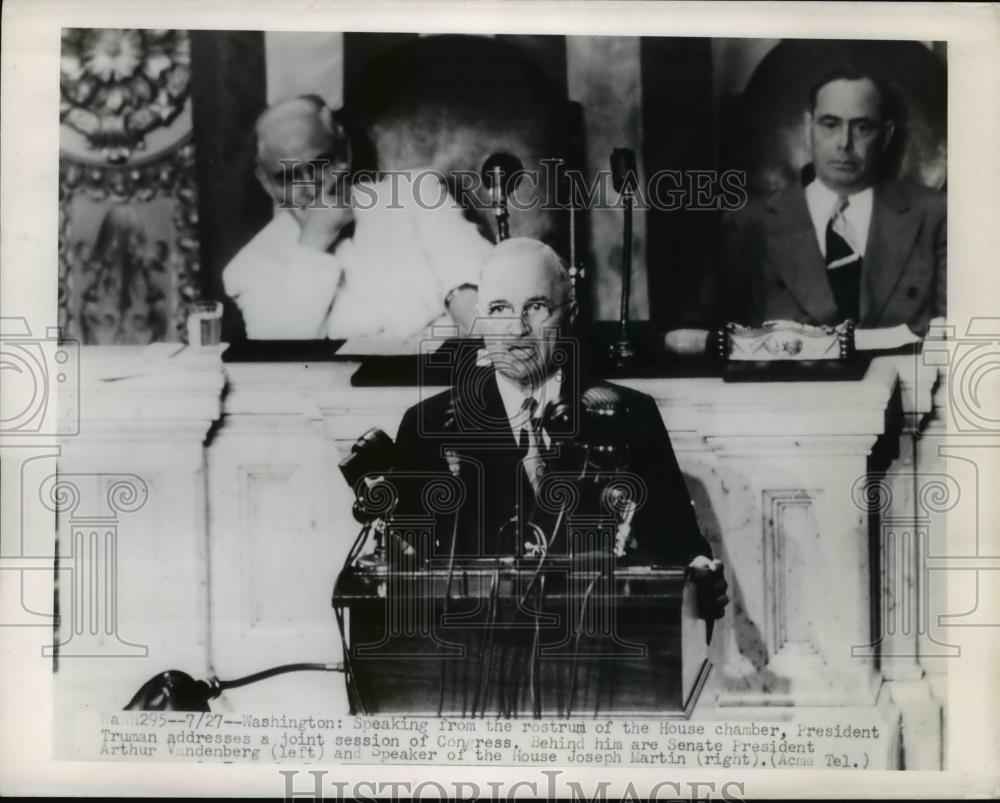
891,237
797,257
490,442
482,416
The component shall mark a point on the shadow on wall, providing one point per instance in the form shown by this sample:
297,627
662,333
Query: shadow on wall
761,130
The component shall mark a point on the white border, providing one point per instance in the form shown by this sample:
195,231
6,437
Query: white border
28,227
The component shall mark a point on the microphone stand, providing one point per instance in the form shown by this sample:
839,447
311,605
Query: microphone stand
502,173
500,206
623,175
576,271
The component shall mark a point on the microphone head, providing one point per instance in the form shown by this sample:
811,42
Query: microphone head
601,400
557,418
624,174
601,427
372,453
503,172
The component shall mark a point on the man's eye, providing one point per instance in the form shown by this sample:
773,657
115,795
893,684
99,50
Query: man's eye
500,309
537,306
864,128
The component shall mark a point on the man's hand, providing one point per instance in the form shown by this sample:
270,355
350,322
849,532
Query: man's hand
462,308
322,225
687,342
709,578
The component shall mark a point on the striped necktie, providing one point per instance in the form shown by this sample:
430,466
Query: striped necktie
530,442
843,262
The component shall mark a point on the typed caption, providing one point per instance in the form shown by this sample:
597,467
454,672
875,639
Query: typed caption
842,742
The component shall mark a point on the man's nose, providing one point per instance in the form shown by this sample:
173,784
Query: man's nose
846,138
518,325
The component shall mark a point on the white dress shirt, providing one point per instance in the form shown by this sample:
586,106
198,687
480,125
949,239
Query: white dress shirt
388,280
822,201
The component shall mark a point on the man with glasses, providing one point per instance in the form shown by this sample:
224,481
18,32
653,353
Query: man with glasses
523,418
342,259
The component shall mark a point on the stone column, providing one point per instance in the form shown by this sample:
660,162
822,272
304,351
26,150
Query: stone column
774,484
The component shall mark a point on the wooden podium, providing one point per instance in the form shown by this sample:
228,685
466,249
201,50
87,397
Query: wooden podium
521,638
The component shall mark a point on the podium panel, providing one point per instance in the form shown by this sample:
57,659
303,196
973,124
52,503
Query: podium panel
520,639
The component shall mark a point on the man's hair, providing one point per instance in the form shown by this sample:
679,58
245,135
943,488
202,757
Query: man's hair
340,144
888,104
528,248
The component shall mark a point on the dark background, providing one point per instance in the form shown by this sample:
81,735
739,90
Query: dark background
517,97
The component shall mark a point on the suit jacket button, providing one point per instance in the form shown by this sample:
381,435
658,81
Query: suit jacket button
911,292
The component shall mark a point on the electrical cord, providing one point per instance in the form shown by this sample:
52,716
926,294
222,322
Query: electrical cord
444,614
576,645
485,656
223,685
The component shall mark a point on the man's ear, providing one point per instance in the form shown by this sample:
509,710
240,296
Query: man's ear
887,132
263,180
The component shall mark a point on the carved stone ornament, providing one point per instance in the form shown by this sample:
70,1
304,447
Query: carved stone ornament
119,84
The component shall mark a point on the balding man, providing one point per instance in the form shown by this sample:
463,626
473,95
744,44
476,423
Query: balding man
523,417
383,259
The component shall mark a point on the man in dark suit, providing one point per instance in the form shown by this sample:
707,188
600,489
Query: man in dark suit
535,446
851,244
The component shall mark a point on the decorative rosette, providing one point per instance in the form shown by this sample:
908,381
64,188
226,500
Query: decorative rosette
118,84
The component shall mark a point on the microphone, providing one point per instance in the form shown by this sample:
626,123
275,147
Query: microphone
624,174
605,456
501,173
373,454
625,180
557,416
600,400
600,428
451,425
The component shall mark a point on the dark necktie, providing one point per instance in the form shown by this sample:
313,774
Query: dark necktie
530,441
843,264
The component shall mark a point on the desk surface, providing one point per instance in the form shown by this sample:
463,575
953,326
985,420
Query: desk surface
321,389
